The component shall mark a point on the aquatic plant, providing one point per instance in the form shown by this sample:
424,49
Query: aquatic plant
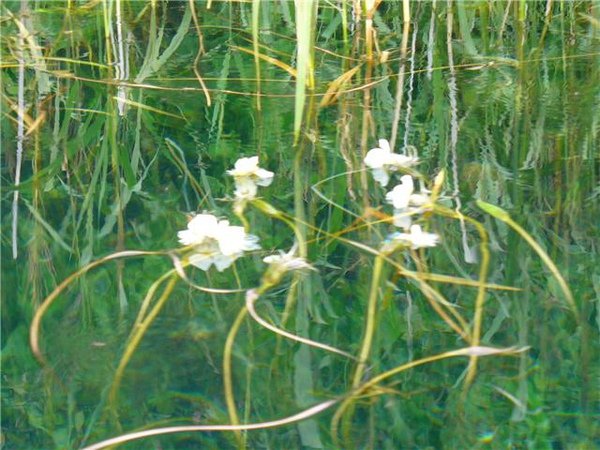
214,241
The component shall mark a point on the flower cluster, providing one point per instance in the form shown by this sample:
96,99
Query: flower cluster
248,176
381,160
406,202
215,242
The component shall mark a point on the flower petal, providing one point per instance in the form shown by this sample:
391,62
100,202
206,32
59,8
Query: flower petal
376,158
417,238
245,188
381,176
418,199
188,237
222,262
265,177
385,145
203,224
402,160
400,195
233,240
201,261
402,219
246,166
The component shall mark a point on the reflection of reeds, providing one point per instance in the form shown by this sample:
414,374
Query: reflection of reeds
20,127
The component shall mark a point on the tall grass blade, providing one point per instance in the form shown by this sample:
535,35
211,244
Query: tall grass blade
255,34
305,19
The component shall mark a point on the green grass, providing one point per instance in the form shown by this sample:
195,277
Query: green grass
116,155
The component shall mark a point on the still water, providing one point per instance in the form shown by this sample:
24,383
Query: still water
120,122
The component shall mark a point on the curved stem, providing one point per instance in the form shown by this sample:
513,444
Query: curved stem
36,322
479,301
351,399
227,372
367,340
481,288
303,415
252,295
370,325
136,336
148,298
346,409
440,306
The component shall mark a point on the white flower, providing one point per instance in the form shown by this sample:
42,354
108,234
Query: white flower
399,197
406,202
215,242
281,263
381,160
248,176
416,238
287,261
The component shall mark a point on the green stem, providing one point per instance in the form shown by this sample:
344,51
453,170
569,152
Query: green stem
370,325
367,342
227,372
136,337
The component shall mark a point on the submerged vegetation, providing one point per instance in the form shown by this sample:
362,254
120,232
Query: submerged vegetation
320,224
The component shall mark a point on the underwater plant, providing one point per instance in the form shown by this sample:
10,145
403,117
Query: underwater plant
210,241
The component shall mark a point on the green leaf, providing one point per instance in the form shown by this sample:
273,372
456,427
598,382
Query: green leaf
494,211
